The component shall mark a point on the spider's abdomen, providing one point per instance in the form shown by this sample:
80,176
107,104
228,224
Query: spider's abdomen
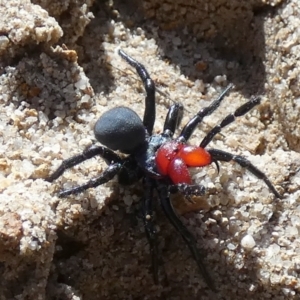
174,158
120,129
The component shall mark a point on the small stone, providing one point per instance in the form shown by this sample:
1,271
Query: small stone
128,200
248,242
231,246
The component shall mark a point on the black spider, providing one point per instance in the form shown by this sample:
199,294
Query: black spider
160,160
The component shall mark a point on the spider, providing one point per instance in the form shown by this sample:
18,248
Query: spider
160,161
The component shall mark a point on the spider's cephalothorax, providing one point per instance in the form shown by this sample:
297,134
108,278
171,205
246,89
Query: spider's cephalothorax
161,161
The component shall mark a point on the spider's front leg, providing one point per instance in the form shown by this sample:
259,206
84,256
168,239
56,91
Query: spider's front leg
189,128
188,190
190,240
151,233
220,155
242,110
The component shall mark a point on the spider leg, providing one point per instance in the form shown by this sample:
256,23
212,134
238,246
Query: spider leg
151,233
173,119
149,115
205,111
187,190
106,176
229,119
108,155
220,155
130,172
186,235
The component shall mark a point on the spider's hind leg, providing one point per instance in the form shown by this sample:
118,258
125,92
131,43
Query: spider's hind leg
173,119
112,159
108,155
106,176
149,115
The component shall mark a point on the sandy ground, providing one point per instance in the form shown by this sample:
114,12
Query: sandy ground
60,71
